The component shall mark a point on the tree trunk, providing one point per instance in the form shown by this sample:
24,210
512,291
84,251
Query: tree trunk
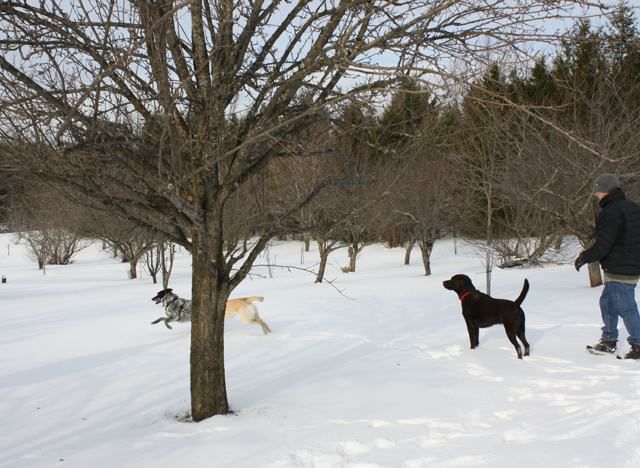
152,262
425,249
489,235
595,277
407,252
307,242
426,261
354,250
209,296
352,259
558,242
133,269
489,269
455,243
324,256
166,263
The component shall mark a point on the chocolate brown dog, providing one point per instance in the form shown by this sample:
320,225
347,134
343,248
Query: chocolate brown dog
480,310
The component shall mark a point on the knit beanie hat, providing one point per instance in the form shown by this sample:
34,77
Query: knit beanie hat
605,183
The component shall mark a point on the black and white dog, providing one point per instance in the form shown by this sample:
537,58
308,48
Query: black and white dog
176,308
179,310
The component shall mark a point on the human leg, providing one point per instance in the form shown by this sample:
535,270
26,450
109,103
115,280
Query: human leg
608,312
624,303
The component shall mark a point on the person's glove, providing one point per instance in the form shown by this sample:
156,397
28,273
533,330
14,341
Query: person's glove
579,262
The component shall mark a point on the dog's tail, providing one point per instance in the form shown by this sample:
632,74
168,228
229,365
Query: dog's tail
253,298
523,293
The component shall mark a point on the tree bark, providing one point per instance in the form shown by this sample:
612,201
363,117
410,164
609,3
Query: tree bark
407,252
558,242
133,269
152,262
425,249
426,261
209,298
166,262
324,256
595,277
354,249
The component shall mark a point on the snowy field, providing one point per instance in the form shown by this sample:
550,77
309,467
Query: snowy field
380,378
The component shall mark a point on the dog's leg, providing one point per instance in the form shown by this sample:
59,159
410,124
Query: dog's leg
473,333
250,315
265,327
257,321
523,338
166,322
511,334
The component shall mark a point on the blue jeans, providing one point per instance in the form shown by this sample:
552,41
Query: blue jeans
619,299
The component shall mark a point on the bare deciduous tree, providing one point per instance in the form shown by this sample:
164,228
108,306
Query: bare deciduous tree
159,259
164,111
131,244
48,224
153,261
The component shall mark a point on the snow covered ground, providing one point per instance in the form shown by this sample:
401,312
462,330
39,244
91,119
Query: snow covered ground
381,378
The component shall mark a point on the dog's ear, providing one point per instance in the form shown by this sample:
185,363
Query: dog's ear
158,297
465,281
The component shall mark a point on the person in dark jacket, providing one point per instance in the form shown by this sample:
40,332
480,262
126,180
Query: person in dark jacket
617,248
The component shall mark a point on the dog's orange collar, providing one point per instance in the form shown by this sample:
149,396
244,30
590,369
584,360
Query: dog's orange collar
464,295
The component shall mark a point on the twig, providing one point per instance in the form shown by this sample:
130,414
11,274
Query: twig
290,267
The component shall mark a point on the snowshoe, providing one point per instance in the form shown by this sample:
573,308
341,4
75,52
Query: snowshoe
603,347
634,352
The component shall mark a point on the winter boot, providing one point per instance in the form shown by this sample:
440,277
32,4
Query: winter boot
603,347
634,352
